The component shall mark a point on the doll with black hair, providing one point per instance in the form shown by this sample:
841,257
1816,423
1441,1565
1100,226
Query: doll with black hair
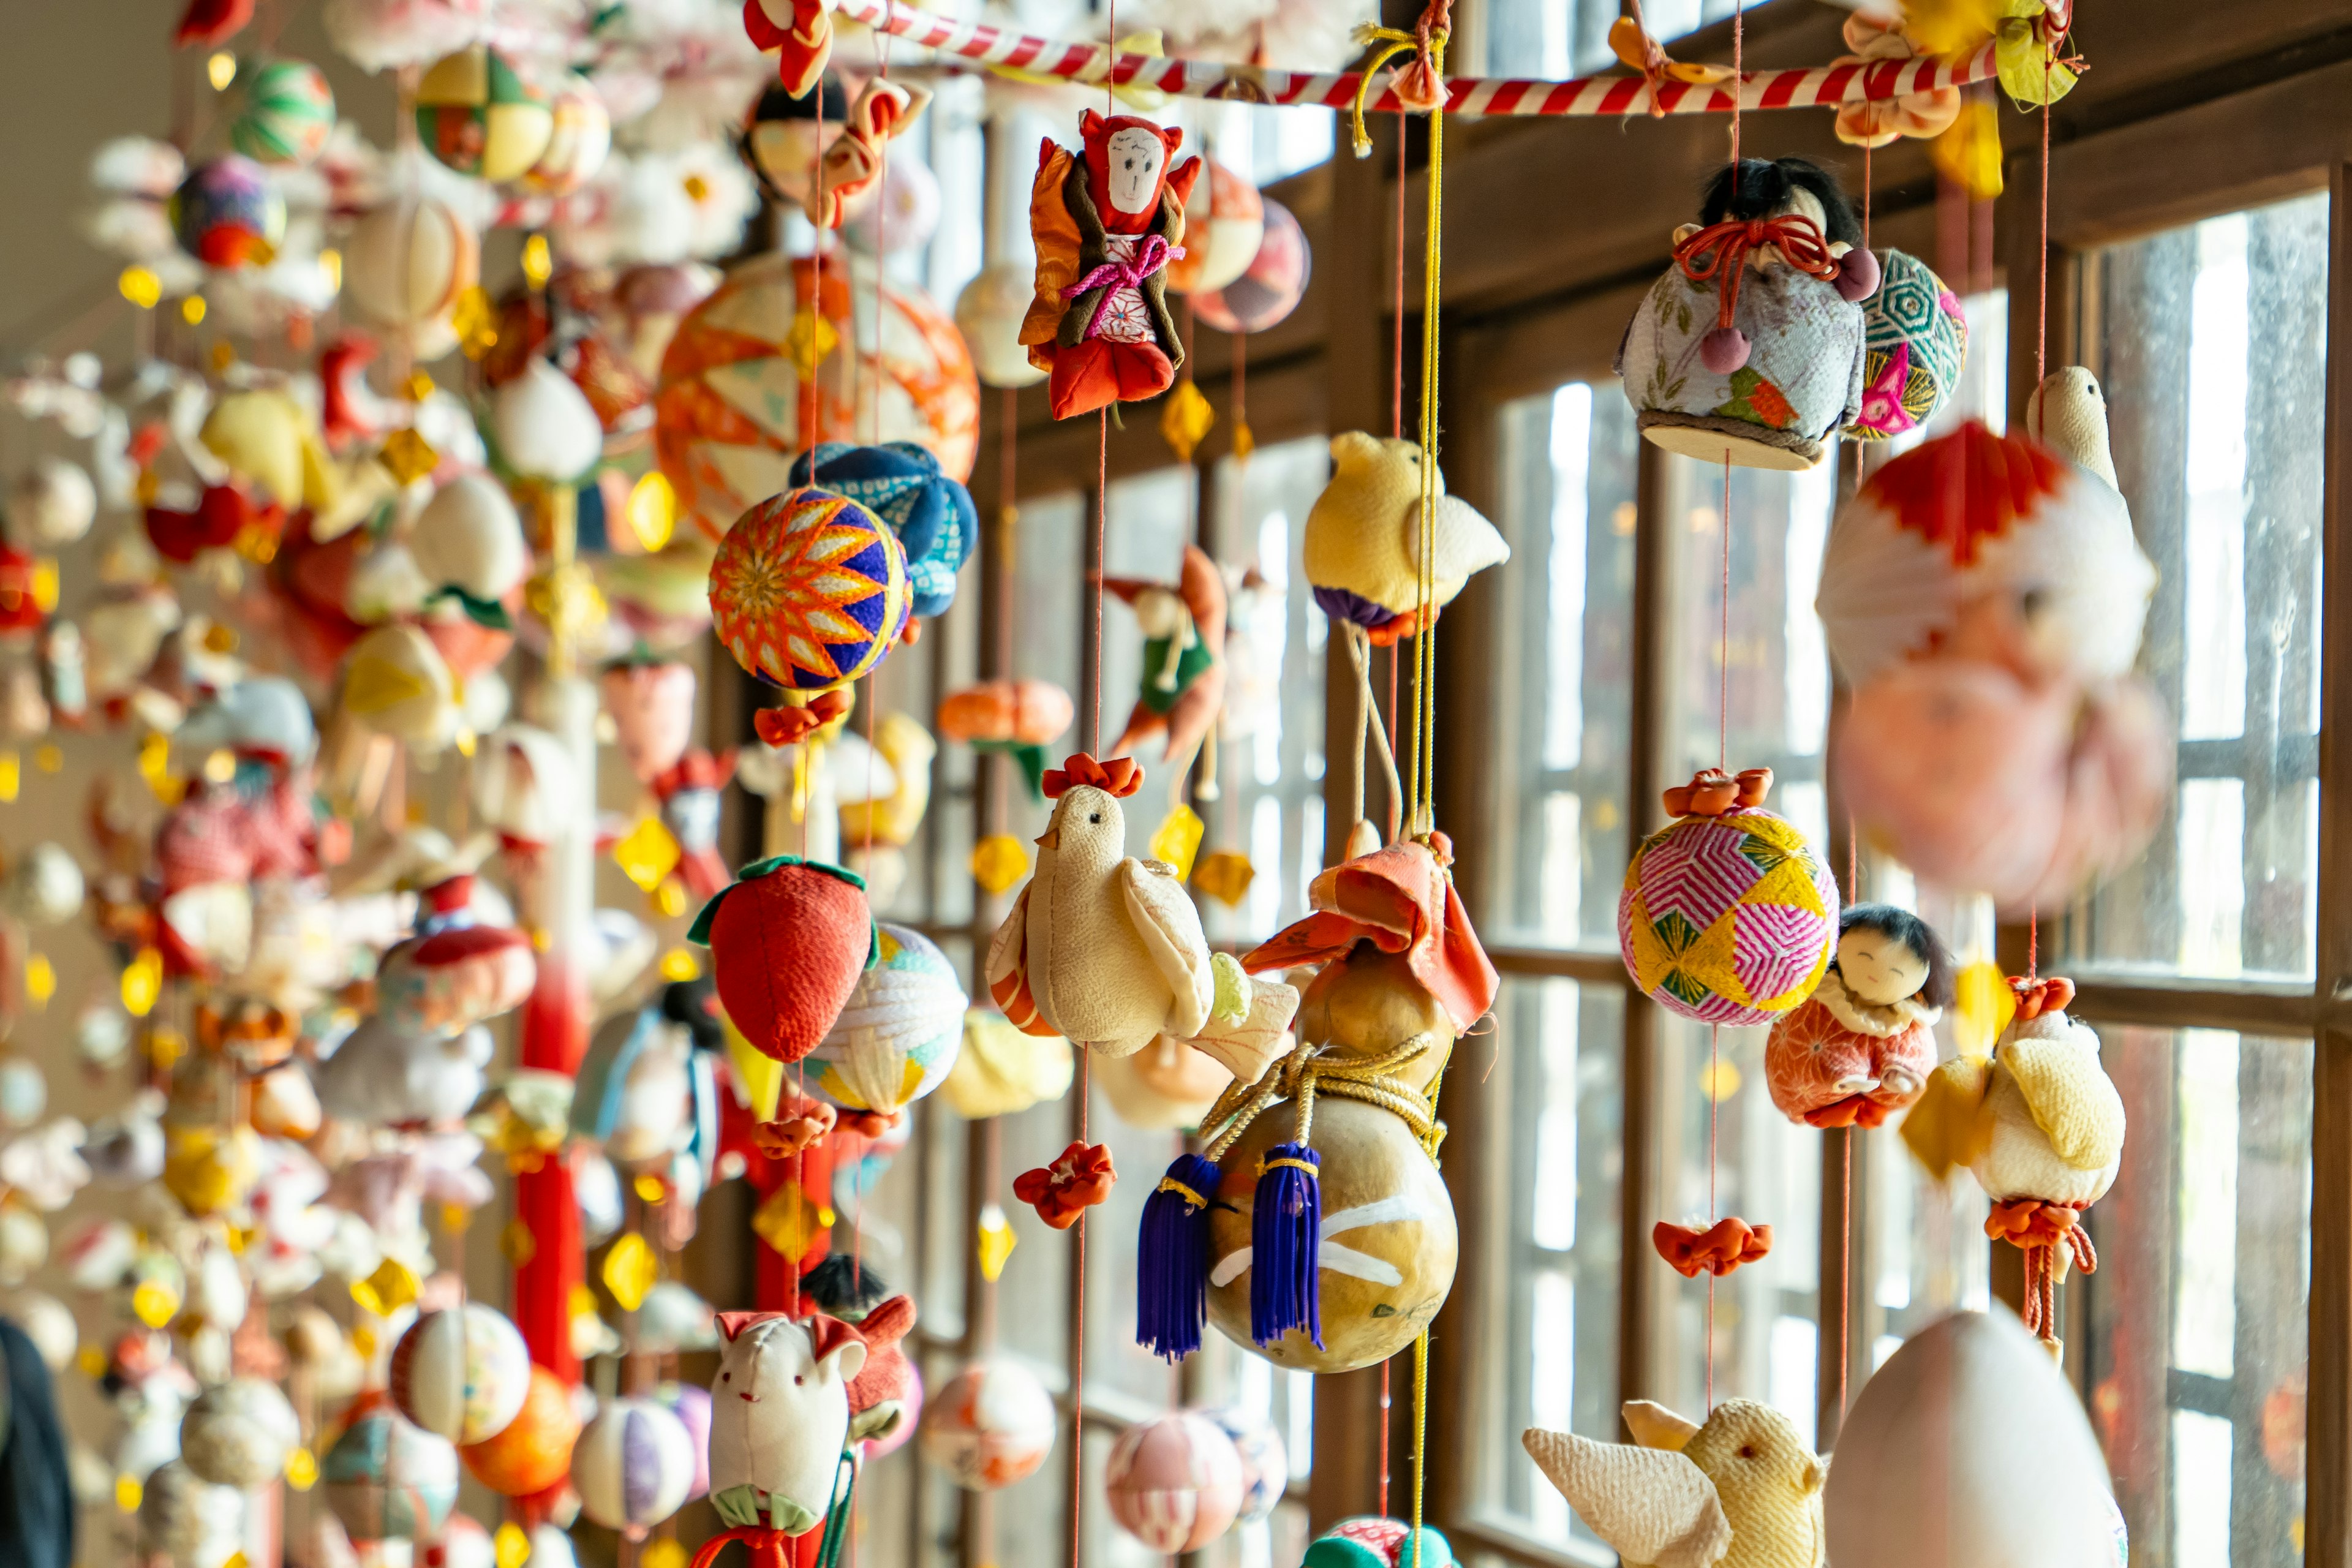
1750,347
1863,1046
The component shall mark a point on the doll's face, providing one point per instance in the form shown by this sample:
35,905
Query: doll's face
1879,969
1136,157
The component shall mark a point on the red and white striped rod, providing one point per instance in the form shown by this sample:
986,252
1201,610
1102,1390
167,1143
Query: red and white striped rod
1818,87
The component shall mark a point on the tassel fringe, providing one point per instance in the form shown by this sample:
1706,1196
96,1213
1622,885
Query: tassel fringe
1171,1264
1286,1234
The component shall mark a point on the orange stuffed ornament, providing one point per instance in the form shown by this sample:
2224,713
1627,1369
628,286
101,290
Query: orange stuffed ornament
1106,222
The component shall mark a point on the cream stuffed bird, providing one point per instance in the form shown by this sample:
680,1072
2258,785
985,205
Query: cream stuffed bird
1363,547
1108,951
1741,1491
2037,1119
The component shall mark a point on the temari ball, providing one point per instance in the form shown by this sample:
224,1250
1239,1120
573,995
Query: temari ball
289,112
1727,920
809,590
1915,342
478,114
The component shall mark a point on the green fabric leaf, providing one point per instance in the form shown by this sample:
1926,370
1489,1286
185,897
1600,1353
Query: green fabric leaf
700,931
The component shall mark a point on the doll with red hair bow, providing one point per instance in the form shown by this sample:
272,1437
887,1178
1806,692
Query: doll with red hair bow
1107,219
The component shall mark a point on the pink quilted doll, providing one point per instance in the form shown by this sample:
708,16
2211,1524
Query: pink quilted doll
1863,1045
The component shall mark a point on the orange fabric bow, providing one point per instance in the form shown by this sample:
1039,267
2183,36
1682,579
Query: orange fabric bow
803,48
1420,85
1076,1181
1725,246
1121,776
780,1139
1712,791
867,1123
2038,1228
2035,997
1631,41
789,725
1717,1250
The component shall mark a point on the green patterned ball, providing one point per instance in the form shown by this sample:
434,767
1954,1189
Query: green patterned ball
287,113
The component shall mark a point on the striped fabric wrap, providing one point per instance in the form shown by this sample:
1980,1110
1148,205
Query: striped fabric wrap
1817,87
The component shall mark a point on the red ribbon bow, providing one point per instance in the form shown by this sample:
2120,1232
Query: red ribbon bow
1712,791
1153,254
1725,246
1076,1181
2035,997
1717,1250
1119,777
785,726
768,1548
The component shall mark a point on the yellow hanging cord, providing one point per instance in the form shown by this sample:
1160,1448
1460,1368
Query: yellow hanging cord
1420,1433
1398,42
1425,640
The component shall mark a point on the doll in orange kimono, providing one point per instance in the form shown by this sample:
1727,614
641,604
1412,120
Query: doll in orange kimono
1106,222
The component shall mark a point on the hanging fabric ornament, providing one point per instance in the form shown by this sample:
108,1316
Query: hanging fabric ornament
580,138
287,113
1743,1489
780,1418
461,1373
901,483
1107,951
1173,1482
1080,1177
809,592
183,1518
1166,1085
239,1434
652,705
2040,1126
468,543
689,791
1224,230
1750,348
1106,221
788,942
1018,718
1372,1541
478,114
775,362
852,163
1861,1048
991,1424
1183,629
898,1035
456,971
406,262
384,1479
1916,342
633,1466
1363,546
544,426
1728,915
989,313
636,1095
1003,1071
1876,123
227,215
1270,287
1983,596
800,31
533,1451
1265,1465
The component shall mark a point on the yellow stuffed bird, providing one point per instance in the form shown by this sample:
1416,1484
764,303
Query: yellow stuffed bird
1741,1491
1363,546
1107,952
2037,1120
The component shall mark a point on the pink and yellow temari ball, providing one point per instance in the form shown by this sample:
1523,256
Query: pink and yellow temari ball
809,590
1727,920
770,365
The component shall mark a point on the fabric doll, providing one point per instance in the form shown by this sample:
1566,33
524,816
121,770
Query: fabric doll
1107,220
1750,347
1863,1045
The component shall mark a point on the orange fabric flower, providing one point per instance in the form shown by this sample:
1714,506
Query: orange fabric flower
1717,1250
1079,1179
1121,777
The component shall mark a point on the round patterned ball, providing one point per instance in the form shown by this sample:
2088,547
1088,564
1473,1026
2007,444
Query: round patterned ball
1266,1464
226,213
461,1374
478,115
240,1433
809,590
900,1032
287,113
387,1479
1729,918
989,313
1371,1542
1174,1482
1915,342
1270,287
690,1402
580,138
1225,224
633,1466
533,1451
183,1518
734,407
990,1426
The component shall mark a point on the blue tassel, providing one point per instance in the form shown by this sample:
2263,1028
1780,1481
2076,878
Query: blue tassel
1286,1234
1171,1261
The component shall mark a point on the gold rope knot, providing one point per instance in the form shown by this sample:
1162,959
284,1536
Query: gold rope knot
1420,85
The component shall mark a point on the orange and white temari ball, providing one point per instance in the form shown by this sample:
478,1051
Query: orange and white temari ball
992,1425
1174,1482
767,367
461,1374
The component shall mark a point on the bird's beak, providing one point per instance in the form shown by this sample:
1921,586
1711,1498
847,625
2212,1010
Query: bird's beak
1050,839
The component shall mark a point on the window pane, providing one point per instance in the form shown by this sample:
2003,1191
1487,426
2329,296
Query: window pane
1568,512
2214,366
1548,1307
2196,1317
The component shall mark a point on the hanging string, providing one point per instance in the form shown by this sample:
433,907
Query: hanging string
1423,792
1396,373
2040,373
1094,578
1845,1269
1078,1332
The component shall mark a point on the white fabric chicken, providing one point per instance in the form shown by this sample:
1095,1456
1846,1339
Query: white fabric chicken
1108,951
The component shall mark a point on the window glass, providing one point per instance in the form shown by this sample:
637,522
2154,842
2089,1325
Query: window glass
2198,1315
2213,360
1270,744
1555,39
1569,459
1547,1303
